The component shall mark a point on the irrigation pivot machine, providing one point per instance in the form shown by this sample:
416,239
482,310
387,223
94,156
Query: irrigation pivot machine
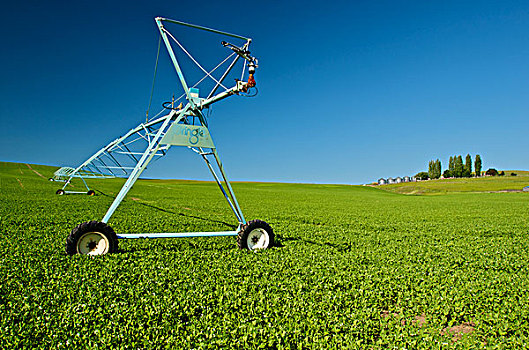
182,122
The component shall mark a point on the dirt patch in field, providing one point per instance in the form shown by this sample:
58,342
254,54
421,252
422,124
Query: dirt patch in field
20,182
418,321
35,171
386,314
135,199
458,331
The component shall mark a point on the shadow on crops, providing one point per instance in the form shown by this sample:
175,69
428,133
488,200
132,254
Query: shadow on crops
175,213
180,247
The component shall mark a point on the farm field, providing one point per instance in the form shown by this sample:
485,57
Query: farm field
354,267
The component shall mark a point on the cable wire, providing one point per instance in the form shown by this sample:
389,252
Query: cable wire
154,78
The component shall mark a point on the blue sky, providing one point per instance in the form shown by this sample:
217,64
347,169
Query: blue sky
348,91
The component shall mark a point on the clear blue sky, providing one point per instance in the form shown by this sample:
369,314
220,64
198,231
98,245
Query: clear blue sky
349,91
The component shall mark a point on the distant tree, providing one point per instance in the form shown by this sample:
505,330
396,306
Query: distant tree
477,165
514,174
491,172
447,174
431,170
458,166
451,165
422,175
438,169
434,169
502,173
468,166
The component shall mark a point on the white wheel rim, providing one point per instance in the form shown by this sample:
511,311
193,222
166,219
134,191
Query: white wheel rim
93,243
258,239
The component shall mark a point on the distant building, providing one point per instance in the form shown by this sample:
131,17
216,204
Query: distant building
526,189
396,180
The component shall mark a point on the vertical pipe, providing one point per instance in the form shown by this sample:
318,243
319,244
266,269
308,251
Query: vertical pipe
220,186
88,189
173,57
230,190
224,177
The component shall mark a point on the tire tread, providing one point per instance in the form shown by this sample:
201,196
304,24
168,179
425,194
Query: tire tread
90,226
249,227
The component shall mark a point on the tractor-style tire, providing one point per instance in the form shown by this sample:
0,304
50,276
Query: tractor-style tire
60,192
256,234
92,238
91,193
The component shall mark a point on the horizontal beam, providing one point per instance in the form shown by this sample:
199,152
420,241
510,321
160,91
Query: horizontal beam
202,28
240,85
177,235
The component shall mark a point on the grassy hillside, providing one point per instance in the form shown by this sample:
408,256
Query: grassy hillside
517,172
355,267
482,184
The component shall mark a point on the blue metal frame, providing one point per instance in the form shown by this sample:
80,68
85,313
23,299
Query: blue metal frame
158,133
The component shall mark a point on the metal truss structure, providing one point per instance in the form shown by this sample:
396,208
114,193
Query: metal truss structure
185,125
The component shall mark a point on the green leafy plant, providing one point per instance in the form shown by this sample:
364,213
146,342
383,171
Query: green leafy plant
354,267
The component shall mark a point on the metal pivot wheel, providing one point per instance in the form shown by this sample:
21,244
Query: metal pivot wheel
91,238
256,234
60,192
91,193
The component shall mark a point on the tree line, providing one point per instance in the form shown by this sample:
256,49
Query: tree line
456,168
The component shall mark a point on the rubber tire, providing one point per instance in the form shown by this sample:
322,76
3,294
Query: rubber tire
242,237
91,193
60,192
91,226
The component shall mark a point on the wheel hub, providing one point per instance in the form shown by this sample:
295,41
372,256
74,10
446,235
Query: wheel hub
258,239
93,243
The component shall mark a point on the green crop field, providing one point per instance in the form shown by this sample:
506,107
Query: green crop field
354,267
